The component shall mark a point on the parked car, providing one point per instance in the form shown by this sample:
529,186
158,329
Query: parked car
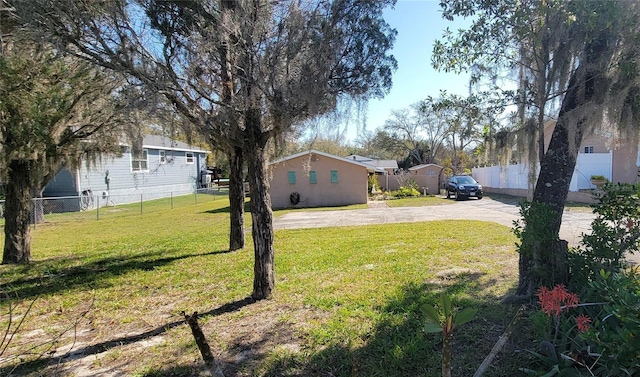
463,186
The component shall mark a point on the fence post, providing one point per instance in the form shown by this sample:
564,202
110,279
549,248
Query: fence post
33,213
141,204
171,199
98,207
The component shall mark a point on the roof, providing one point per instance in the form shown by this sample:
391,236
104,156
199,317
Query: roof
161,142
382,164
422,166
350,161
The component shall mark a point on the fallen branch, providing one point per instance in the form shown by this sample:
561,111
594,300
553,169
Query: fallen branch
499,344
203,346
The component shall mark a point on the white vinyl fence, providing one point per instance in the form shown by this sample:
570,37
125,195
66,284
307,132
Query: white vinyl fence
515,176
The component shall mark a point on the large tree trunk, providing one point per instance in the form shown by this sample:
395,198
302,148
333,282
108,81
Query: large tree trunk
17,237
262,225
261,213
545,262
236,200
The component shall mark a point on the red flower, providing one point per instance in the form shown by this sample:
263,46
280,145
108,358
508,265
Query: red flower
582,321
553,301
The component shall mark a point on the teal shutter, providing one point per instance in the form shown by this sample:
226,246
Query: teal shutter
292,177
334,176
313,177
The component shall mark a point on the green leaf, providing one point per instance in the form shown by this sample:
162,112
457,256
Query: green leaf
431,313
446,304
464,316
432,328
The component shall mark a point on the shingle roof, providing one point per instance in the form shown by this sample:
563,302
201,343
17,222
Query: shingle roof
161,142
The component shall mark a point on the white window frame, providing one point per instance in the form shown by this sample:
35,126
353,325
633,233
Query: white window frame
162,156
137,160
192,158
588,149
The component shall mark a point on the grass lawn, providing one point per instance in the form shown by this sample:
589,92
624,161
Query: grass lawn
347,300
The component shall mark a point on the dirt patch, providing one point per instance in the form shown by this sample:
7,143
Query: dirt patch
240,341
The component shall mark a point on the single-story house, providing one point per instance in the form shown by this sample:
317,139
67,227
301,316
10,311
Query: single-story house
317,179
390,167
164,167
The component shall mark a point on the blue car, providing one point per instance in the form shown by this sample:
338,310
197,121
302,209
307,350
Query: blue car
463,186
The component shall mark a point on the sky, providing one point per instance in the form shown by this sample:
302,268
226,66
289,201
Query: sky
418,23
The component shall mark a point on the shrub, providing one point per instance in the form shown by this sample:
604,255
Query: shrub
614,232
404,192
614,335
372,183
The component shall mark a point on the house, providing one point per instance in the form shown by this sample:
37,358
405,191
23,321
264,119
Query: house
164,167
390,167
317,179
603,152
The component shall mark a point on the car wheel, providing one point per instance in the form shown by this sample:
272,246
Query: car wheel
457,196
448,194
479,197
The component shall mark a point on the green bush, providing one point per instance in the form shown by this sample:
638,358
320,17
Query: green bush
614,335
404,192
614,233
372,183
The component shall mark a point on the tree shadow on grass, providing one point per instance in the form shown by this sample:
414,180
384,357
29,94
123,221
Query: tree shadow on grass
95,349
398,346
227,209
88,274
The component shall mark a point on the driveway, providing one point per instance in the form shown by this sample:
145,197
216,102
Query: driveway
575,222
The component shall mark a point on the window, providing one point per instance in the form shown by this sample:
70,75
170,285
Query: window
190,159
140,162
163,157
588,149
313,177
292,177
334,176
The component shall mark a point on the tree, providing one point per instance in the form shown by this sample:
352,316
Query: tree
405,133
435,127
585,54
54,111
465,120
243,71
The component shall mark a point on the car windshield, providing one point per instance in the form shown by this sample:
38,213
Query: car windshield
467,180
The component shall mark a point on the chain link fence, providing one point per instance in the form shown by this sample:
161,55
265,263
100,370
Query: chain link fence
91,206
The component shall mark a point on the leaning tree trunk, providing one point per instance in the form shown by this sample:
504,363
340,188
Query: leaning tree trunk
17,237
545,262
236,200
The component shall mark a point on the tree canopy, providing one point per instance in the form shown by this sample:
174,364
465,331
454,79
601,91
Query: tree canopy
242,71
55,110
578,63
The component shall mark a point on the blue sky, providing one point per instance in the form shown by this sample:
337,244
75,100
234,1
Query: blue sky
419,23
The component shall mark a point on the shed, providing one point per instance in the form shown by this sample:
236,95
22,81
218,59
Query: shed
429,176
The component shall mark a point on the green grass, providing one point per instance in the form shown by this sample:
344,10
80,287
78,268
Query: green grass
346,303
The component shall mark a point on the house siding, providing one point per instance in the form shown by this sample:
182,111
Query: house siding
175,177
126,186
63,184
350,188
